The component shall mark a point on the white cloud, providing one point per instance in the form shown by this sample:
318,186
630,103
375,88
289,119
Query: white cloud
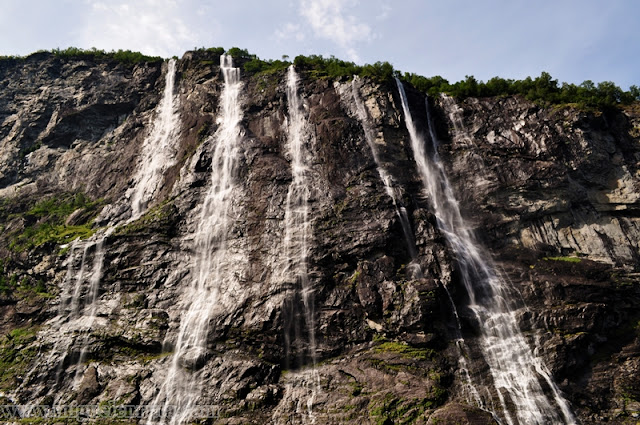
154,27
329,20
385,11
290,31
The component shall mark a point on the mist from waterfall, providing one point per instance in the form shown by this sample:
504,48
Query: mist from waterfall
182,384
518,375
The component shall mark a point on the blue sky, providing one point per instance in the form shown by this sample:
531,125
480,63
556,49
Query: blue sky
573,40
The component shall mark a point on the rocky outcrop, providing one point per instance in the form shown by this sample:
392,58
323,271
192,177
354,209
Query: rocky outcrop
553,193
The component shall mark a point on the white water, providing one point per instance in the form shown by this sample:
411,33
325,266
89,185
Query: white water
182,385
390,188
517,374
157,154
386,178
158,150
296,242
297,226
78,309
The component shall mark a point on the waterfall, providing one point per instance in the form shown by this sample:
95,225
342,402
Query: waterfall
297,236
78,309
157,154
182,384
158,150
518,375
401,212
386,178
297,226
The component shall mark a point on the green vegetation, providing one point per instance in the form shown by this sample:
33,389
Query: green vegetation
354,277
405,350
543,90
565,259
7,283
320,67
45,233
212,54
159,214
395,410
46,222
32,148
15,355
26,287
256,65
315,65
203,132
252,64
123,56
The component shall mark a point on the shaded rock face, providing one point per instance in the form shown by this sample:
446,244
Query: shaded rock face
552,193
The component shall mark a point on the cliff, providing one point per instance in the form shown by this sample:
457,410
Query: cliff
367,328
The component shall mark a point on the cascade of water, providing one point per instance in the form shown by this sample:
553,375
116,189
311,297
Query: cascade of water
386,178
401,212
158,151
297,227
157,154
181,387
517,374
78,307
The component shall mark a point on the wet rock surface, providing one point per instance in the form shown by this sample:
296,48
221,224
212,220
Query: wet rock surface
553,193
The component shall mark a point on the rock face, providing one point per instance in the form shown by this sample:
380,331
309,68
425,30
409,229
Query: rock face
552,193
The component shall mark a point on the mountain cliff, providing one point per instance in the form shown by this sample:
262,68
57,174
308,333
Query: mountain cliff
174,234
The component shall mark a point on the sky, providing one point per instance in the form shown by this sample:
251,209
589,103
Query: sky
573,40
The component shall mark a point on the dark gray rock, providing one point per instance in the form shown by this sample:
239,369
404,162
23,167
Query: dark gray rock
553,194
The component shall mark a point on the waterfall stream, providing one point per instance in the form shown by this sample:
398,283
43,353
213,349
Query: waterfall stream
296,241
182,384
158,150
297,226
518,375
401,212
389,184
78,309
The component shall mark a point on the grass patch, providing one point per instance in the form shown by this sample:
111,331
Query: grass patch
354,277
15,355
26,287
397,410
46,233
45,222
564,259
405,350
158,215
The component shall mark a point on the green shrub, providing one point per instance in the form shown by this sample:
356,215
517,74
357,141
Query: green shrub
319,67
543,90
122,56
